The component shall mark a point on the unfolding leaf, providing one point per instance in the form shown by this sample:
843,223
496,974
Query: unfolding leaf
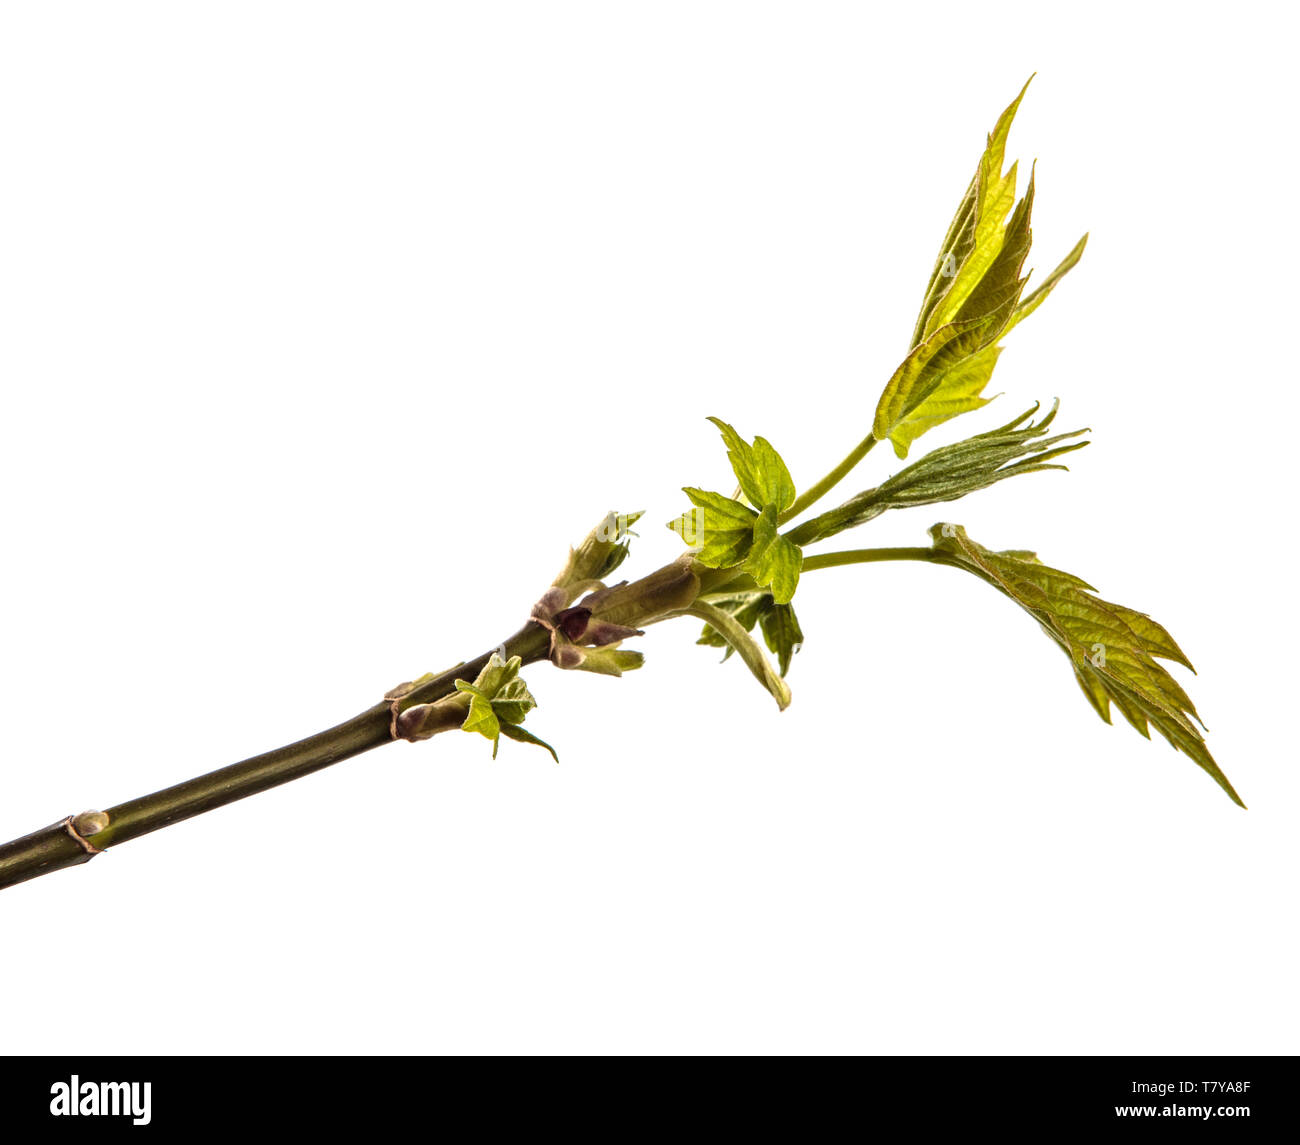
951,471
746,608
960,389
523,735
513,702
975,237
496,674
599,554
780,626
725,532
480,717
611,660
899,413
1112,648
762,475
773,560
956,249
973,299
719,528
732,632
782,634
1035,298
997,290
498,701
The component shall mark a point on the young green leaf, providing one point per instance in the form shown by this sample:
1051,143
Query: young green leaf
719,528
513,702
1112,648
726,533
773,559
498,702
762,475
609,660
942,360
782,634
480,717
949,472
997,291
731,631
522,735
975,236
780,626
1036,297
973,299
496,674
959,389
746,608
599,554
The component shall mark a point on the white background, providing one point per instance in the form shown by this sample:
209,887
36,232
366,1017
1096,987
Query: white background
327,327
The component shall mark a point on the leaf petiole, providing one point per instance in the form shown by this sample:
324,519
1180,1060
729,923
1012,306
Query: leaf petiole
815,493
869,556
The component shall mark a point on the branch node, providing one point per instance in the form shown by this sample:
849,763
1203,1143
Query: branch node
87,823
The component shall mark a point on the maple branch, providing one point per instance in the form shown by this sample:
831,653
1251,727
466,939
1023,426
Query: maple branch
78,839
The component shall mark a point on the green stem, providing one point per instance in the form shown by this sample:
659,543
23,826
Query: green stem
869,556
815,493
62,845
730,580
